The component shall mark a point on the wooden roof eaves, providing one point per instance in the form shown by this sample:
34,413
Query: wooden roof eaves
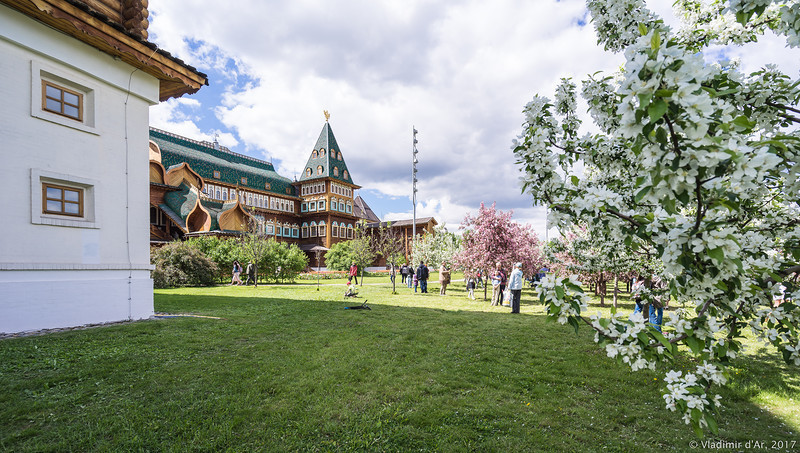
77,20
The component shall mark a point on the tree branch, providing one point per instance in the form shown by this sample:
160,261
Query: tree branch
782,107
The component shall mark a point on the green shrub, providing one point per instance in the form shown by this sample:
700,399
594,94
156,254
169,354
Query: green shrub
222,251
181,264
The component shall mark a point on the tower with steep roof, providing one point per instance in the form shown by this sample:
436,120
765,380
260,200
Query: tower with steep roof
327,189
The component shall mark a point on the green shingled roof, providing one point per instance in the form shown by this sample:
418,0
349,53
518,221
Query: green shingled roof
328,162
232,167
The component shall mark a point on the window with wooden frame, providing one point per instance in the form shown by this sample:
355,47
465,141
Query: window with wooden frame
216,174
62,200
244,180
62,101
267,186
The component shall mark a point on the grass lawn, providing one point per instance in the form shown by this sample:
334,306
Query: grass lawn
286,368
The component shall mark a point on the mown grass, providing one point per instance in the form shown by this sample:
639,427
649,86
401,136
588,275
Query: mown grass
288,369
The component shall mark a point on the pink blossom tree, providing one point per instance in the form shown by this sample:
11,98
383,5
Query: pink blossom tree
491,237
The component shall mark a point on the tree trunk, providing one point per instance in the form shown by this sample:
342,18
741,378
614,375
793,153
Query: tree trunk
601,291
616,290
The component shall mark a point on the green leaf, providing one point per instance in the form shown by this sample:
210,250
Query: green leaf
656,110
712,424
574,323
575,180
655,41
743,122
694,344
560,292
641,194
717,254
742,17
662,339
642,28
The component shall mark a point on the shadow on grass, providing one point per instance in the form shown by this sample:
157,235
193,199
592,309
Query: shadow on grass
289,370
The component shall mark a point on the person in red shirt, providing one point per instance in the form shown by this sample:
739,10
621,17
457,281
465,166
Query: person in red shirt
353,273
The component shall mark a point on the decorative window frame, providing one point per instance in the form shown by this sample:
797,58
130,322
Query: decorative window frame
89,217
244,180
321,205
312,206
65,79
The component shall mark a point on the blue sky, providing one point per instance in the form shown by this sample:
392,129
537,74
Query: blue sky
460,71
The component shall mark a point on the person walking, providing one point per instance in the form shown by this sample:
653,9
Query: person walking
353,273
403,273
237,269
414,278
444,278
422,276
496,296
471,287
503,283
251,274
515,286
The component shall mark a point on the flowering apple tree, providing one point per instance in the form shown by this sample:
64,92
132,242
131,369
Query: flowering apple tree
491,237
693,160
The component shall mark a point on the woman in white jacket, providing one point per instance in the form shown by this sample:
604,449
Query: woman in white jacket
515,286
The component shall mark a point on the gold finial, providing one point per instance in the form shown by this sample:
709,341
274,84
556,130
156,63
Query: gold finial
327,115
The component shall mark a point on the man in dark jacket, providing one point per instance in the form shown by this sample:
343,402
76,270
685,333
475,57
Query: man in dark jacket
422,277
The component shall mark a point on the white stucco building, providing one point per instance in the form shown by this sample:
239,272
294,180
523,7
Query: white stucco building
77,80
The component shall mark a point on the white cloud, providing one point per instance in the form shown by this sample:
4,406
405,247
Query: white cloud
459,71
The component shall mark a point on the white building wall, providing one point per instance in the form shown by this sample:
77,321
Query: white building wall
56,271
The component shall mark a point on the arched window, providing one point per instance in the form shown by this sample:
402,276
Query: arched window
224,194
335,229
349,207
322,152
321,228
304,230
345,175
335,171
350,231
219,196
308,171
333,153
295,231
287,230
313,230
334,204
319,169
314,154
